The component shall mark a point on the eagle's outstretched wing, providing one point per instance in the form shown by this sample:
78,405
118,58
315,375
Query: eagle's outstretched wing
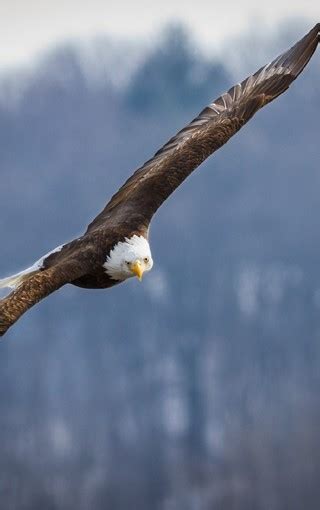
143,193
35,288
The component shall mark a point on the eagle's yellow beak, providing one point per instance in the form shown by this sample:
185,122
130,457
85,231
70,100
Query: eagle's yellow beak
137,269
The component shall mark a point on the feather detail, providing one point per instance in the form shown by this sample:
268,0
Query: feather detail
17,279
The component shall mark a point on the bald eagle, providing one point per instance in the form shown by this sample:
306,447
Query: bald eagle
115,245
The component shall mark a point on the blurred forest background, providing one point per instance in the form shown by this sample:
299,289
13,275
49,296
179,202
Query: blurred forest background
199,388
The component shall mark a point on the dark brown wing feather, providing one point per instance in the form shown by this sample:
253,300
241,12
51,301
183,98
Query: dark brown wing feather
37,287
142,194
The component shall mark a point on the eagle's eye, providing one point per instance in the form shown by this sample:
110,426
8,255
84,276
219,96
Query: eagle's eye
146,260
128,263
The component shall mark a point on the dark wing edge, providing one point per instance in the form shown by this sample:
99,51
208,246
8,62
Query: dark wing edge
35,288
144,192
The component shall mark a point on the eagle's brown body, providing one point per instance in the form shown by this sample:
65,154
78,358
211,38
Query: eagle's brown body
94,248
130,210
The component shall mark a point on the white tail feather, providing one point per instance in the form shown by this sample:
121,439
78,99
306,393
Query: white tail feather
17,279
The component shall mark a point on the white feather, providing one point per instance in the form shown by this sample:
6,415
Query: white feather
129,250
15,280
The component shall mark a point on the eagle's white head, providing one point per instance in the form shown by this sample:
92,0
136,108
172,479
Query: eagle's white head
131,257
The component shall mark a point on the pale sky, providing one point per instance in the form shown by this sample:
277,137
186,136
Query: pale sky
30,27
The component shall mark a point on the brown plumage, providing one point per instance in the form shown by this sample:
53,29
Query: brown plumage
130,210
